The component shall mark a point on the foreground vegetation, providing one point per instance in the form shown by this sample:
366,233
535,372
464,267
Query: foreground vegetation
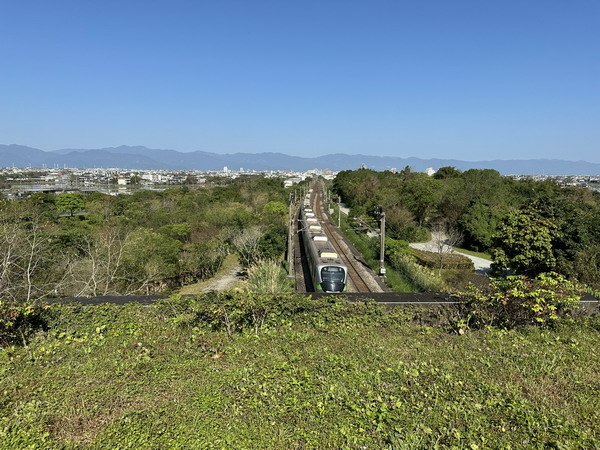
235,371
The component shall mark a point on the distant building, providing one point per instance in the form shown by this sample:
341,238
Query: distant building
429,171
291,181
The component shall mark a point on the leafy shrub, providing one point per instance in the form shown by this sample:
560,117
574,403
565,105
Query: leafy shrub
460,280
236,312
268,277
18,321
449,260
517,300
273,242
396,246
412,234
422,278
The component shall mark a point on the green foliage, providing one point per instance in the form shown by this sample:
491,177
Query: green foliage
150,259
425,280
479,224
275,212
179,231
145,242
394,247
524,244
129,376
400,224
202,260
18,321
273,242
69,203
446,172
448,260
237,312
268,277
516,301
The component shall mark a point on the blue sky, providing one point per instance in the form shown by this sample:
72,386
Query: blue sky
473,80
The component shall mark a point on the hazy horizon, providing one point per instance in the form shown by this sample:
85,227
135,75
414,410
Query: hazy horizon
407,156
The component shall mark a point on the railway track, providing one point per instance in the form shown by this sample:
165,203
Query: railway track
359,278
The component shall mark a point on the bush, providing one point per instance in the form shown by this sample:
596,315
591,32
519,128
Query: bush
423,279
412,234
449,260
268,277
394,247
17,322
517,300
236,312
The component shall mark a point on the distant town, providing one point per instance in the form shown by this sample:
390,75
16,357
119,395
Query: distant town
15,181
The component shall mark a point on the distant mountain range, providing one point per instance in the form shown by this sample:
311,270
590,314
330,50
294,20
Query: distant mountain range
139,157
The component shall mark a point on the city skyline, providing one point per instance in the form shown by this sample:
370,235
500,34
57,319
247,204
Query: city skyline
437,80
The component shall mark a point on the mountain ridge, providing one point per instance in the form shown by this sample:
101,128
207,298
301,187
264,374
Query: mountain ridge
141,157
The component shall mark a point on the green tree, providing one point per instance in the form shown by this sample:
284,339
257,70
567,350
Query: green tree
419,193
446,172
150,261
523,244
273,242
275,212
69,203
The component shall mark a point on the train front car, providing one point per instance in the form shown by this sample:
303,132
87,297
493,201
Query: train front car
332,278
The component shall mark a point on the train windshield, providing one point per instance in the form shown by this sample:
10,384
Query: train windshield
332,278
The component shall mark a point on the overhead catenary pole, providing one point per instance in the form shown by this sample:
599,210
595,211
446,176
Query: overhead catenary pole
290,239
382,244
339,212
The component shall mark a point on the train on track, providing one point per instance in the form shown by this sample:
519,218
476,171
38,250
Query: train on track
327,271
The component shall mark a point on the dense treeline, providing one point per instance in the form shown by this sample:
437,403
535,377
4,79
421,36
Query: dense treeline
150,241
530,227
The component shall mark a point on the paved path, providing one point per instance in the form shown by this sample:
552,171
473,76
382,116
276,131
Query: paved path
438,241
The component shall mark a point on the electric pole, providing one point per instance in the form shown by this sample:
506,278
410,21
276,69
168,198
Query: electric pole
382,242
291,240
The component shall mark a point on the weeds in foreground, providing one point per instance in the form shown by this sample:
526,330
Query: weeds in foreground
268,277
318,374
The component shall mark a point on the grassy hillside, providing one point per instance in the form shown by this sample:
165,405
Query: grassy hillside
317,374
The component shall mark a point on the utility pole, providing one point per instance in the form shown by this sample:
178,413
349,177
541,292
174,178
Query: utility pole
291,239
382,243
339,212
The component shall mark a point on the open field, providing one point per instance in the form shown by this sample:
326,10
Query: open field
328,375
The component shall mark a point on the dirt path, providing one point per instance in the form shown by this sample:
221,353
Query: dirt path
225,281
226,278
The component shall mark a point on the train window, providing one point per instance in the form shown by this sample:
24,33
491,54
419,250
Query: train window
332,273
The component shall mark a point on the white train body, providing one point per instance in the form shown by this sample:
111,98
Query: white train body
327,271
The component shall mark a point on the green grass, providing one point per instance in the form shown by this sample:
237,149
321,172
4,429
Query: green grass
472,253
141,377
370,253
